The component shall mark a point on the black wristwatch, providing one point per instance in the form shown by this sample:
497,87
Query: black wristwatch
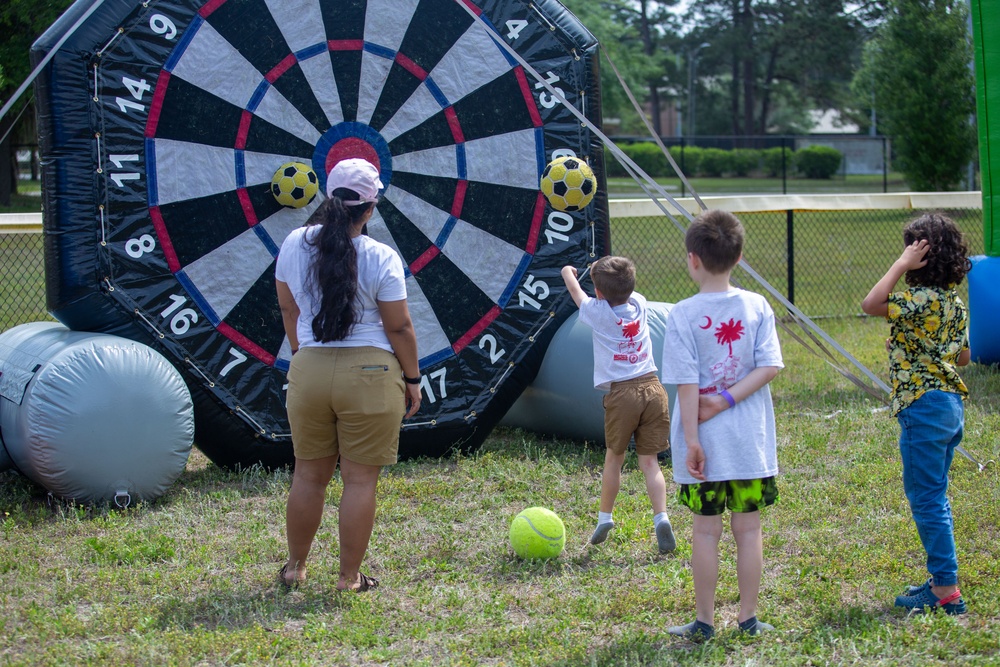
407,380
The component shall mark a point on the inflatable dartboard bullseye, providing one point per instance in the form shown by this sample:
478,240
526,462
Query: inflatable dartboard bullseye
164,129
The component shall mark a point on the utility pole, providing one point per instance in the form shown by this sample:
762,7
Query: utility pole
692,58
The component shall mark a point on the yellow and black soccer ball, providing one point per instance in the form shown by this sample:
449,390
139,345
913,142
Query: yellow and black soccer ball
568,183
294,184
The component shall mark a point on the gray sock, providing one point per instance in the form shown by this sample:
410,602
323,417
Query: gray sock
665,539
601,532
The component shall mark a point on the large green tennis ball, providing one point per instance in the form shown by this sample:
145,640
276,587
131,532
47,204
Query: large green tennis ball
537,533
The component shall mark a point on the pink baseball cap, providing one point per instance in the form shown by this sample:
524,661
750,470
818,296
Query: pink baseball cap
358,175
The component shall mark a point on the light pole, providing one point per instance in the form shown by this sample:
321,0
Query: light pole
692,55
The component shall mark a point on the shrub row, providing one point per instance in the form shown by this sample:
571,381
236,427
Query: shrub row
811,161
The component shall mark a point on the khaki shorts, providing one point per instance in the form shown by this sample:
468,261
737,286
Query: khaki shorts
638,407
346,401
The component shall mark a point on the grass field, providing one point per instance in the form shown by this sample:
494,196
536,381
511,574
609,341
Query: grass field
854,183
28,198
189,578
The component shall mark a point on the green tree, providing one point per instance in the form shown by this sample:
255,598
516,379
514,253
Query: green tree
21,23
918,67
640,38
768,62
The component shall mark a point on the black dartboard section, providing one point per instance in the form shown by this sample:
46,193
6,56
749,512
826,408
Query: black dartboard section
162,124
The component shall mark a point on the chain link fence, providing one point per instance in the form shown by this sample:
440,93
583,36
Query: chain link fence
823,259
22,279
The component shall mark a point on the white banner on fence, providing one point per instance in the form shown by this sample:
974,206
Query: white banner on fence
645,208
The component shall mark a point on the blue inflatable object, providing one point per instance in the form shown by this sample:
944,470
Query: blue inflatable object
91,417
984,309
562,401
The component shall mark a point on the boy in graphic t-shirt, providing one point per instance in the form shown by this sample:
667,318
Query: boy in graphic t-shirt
721,350
636,403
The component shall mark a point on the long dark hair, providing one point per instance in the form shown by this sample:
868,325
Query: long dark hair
948,257
335,266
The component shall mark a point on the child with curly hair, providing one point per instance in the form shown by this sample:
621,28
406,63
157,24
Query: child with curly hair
929,340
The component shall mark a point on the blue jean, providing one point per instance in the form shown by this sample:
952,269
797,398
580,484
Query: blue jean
932,427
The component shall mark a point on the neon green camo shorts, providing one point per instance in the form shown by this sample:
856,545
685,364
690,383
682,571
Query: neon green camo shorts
741,495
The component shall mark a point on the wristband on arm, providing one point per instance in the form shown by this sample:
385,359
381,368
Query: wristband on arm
729,397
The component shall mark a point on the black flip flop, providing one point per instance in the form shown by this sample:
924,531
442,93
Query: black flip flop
283,582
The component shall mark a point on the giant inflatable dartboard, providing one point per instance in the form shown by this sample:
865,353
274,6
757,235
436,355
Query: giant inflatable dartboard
163,123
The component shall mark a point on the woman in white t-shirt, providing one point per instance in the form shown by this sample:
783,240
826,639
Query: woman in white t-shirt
354,374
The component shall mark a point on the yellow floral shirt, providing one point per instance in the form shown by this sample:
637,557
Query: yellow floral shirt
929,329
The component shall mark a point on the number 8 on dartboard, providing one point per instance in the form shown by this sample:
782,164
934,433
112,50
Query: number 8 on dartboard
166,211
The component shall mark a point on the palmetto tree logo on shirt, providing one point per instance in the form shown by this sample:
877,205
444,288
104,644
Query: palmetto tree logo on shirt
729,332
630,330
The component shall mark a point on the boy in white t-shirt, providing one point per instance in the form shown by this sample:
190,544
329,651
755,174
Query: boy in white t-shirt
721,350
636,403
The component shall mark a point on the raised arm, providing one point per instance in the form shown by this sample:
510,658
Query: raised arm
573,285
877,301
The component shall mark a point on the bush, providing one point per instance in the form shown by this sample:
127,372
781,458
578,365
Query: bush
772,161
743,160
612,167
715,162
650,158
691,161
818,161
646,154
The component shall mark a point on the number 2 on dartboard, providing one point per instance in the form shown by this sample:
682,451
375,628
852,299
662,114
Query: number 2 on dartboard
496,352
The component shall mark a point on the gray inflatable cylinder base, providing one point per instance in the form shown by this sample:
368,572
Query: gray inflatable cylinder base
562,400
92,417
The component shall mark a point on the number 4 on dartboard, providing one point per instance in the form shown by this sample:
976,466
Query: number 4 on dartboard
514,28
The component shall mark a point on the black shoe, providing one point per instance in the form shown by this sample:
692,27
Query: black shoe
693,630
752,626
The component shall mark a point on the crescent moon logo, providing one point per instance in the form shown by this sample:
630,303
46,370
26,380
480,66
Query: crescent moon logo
708,323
